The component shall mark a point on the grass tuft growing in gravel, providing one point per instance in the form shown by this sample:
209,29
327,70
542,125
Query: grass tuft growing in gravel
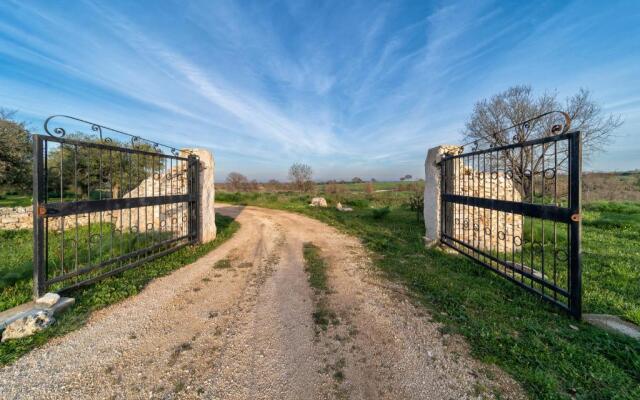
222,264
315,267
104,293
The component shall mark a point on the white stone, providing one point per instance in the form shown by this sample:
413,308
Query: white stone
318,202
339,207
207,213
49,299
28,325
432,191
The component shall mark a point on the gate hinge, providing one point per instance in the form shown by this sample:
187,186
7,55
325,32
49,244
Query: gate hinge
576,217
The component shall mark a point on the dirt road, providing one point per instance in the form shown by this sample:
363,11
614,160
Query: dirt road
237,324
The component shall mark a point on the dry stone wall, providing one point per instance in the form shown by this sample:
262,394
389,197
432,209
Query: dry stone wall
22,218
485,229
16,217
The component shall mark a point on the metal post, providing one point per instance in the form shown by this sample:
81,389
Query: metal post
39,267
575,189
193,194
443,191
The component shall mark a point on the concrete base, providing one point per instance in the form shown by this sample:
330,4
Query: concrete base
429,243
614,324
15,313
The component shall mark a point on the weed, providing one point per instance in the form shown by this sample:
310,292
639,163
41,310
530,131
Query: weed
315,266
222,264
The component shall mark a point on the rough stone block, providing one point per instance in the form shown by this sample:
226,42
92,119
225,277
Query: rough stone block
29,324
48,299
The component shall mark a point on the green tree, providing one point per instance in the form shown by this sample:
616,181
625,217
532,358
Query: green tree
15,153
89,173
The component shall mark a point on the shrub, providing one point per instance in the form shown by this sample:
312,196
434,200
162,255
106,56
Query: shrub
358,203
379,213
416,203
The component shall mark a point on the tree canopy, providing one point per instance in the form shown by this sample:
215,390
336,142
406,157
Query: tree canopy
15,153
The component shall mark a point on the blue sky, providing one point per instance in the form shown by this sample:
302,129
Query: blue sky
351,88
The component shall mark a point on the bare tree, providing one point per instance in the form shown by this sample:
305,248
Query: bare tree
237,181
300,175
501,119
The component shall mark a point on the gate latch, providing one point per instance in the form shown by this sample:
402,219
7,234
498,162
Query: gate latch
576,217
42,211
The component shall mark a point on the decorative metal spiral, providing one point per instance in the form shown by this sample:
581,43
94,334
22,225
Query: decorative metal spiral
101,131
549,173
97,128
561,255
559,128
57,131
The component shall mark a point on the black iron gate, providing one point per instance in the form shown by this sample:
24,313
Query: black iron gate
515,209
106,202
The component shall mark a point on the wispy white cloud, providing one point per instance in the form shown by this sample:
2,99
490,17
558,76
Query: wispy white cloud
353,87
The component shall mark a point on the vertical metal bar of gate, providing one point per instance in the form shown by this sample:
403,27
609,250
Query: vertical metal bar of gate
39,272
575,190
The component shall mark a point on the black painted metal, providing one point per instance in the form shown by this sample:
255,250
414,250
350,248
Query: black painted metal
515,209
102,206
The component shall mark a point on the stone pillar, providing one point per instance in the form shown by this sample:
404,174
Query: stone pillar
432,192
206,190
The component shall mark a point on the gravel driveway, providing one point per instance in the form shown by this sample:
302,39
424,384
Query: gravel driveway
247,332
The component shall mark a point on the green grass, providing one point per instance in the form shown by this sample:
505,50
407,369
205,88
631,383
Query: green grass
15,200
315,267
502,323
103,293
611,259
16,251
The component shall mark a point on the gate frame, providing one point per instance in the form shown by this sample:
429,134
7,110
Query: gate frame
570,215
40,210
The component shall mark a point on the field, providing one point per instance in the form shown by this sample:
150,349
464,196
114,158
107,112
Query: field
15,200
16,283
552,355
